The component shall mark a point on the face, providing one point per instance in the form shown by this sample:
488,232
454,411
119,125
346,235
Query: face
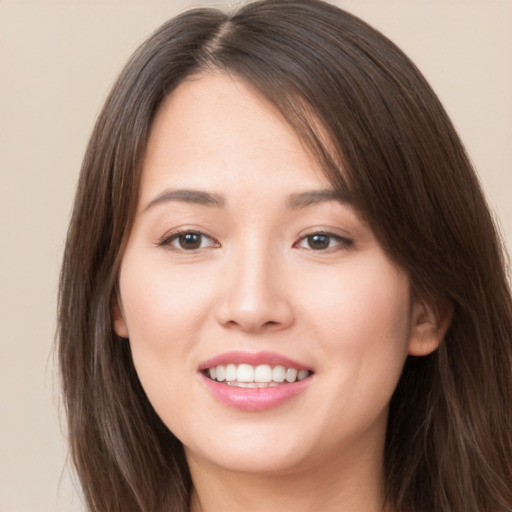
243,266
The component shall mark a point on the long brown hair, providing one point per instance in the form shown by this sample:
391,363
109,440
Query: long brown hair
449,439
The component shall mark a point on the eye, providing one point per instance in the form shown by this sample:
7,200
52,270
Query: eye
323,242
188,241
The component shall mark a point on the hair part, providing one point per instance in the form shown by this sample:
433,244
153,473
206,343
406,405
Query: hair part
359,105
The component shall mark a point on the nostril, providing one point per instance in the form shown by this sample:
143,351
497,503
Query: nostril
254,315
252,325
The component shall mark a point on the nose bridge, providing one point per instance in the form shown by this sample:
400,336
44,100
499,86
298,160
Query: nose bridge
255,296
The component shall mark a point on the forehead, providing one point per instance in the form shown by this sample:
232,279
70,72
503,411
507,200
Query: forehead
218,126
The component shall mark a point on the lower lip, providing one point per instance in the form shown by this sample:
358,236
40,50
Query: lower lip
254,399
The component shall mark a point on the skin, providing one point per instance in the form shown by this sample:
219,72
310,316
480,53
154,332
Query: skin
257,283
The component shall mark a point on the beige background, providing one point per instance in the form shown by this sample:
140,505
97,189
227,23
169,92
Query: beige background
57,61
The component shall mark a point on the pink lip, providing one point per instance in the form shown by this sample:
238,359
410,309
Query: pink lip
253,399
254,359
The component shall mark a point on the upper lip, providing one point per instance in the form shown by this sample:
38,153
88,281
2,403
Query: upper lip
252,358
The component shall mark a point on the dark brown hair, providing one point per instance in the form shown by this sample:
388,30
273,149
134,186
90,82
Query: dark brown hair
449,439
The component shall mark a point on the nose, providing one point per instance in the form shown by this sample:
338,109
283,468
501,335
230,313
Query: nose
254,296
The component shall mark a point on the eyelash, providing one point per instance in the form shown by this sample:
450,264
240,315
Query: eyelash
340,242
168,240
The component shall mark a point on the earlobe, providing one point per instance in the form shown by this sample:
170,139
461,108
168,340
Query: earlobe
119,324
428,327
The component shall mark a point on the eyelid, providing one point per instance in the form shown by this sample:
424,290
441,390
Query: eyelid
344,241
166,240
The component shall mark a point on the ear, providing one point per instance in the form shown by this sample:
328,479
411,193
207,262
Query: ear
120,327
428,327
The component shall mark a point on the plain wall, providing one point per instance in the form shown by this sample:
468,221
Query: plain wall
57,62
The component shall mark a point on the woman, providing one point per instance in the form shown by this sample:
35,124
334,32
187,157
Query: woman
282,286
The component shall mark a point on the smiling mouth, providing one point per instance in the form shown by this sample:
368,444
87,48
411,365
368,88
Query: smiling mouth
261,376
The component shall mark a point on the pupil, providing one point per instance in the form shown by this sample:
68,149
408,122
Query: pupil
190,240
319,241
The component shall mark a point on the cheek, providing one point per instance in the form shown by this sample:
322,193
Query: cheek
160,301
164,311
361,319
364,303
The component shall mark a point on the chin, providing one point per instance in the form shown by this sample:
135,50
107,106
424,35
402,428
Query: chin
254,454
257,462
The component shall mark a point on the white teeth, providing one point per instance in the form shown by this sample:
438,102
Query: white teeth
301,375
230,372
261,376
278,373
221,373
244,373
263,373
291,375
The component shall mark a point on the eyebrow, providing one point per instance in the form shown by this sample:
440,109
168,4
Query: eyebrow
187,196
305,199
294,201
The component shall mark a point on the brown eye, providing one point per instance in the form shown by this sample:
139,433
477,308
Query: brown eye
188,241
318,241
323,242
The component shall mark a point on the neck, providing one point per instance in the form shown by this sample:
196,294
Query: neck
337,486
